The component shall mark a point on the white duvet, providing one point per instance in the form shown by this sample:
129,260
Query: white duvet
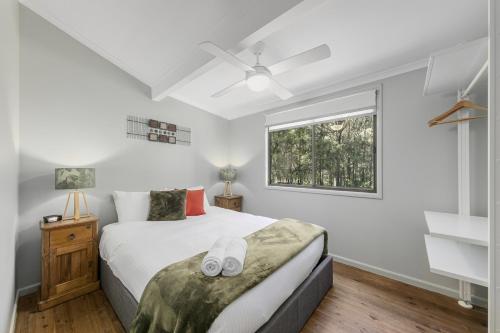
135,251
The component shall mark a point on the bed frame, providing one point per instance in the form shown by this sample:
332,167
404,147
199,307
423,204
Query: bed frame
289,318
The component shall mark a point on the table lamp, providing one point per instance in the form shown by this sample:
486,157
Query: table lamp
227,174
75,179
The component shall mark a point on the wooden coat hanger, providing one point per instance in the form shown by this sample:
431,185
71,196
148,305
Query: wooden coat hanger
463,104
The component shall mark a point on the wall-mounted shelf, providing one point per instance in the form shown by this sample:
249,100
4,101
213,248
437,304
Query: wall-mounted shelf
454,68
458,260
467,229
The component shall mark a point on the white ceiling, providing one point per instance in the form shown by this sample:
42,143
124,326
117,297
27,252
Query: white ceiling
157,42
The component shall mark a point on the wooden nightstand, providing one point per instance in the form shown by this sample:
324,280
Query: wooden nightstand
69,260
232,202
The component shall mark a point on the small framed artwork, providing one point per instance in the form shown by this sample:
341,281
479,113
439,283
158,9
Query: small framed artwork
153,137
153,123
157,131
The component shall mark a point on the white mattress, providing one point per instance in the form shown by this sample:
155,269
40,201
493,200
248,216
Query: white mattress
135,251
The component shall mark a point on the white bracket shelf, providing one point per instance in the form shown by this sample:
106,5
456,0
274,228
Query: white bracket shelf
454,68
467,229
458,260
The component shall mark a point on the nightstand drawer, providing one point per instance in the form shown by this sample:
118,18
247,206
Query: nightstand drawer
70,235
229,202
219,202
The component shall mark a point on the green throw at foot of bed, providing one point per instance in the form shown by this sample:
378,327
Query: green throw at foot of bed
179,298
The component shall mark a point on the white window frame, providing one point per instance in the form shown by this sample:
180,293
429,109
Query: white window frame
333,191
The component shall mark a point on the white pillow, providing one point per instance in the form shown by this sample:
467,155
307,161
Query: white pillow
131,206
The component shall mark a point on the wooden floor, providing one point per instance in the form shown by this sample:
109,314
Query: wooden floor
359,302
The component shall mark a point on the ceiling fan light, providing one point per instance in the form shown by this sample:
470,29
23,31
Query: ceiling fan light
258,82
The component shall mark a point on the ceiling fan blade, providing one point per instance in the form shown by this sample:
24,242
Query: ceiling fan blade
224,55
228,89
279,90
316,54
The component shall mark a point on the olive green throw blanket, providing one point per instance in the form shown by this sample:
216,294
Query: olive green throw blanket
179,298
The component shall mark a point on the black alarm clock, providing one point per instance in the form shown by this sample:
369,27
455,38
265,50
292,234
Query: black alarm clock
52,218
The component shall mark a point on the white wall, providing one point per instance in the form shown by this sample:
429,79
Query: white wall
494,165
419,173
74,106
9,111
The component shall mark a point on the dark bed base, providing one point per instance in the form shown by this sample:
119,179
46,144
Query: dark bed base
289,318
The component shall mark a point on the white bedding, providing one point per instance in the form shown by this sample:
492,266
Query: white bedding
138,250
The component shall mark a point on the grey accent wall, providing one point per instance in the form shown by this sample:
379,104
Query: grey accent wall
419,173
9,157
74,106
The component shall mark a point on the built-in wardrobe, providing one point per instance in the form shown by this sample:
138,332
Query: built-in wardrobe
458,242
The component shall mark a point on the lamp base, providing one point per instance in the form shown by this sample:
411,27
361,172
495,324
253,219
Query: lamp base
76,206
227,189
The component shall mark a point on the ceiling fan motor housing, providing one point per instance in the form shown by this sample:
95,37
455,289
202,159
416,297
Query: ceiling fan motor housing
259,69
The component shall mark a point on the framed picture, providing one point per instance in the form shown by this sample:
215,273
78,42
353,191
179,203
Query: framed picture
157,131
152,137
153,123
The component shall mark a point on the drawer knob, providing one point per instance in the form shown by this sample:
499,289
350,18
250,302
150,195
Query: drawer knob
71,236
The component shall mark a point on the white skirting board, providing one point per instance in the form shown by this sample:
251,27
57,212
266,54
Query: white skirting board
21,292
13,317
479,301
28,289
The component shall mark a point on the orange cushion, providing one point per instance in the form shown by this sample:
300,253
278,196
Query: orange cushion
194,202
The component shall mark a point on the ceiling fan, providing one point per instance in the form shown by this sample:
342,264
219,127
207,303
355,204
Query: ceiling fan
260,77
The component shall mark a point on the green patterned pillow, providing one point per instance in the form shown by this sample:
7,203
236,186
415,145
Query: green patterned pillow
167,205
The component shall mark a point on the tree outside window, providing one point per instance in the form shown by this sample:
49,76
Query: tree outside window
337,155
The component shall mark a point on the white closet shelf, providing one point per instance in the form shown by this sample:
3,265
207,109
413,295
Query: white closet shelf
468,229
458,260
454,68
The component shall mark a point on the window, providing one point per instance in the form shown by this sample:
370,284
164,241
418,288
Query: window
329,153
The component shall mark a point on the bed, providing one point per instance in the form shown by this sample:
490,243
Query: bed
133,252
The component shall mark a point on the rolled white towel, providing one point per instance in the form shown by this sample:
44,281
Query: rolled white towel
234,258
213,261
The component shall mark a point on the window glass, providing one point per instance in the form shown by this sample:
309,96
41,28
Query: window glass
339,154
345,154
291,156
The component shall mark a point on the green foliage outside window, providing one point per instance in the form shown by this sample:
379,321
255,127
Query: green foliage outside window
291,156
339,155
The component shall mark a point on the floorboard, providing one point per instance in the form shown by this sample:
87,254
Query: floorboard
359,302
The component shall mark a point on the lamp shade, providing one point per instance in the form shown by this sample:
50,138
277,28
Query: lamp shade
74,178
227,174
